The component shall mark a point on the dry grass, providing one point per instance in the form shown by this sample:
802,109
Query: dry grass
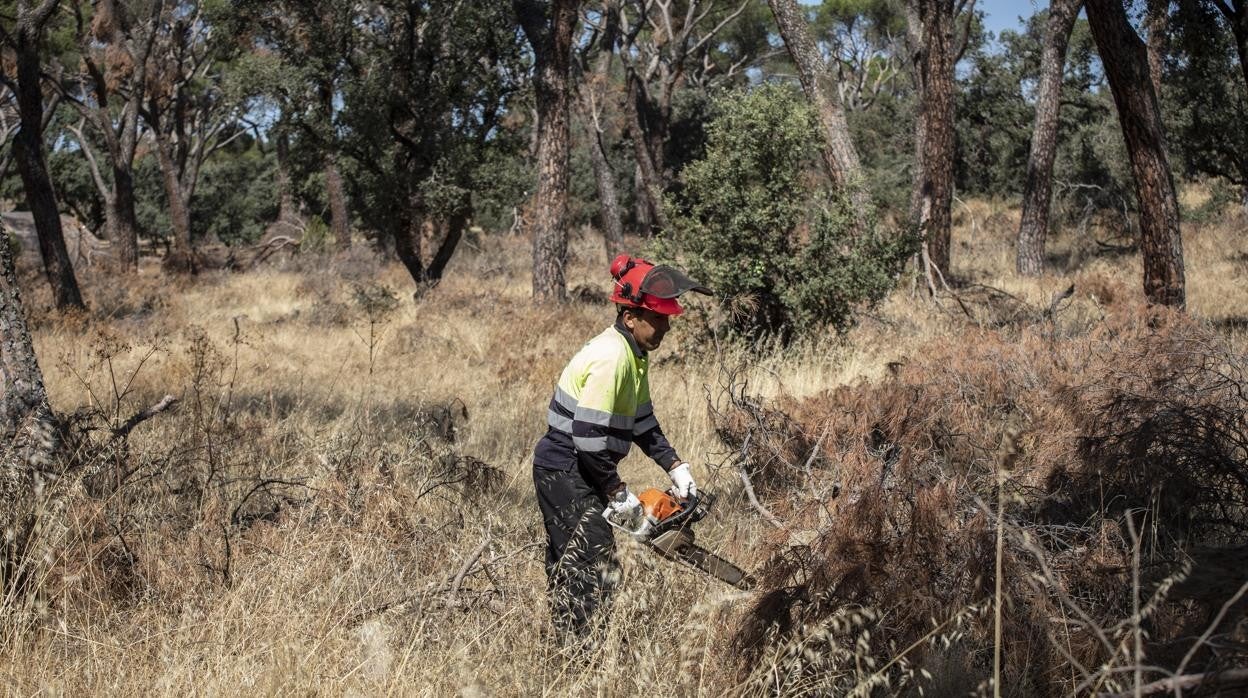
340,578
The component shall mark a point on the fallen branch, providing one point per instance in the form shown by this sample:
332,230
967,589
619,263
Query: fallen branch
451,587
271,247
124,430
1231,678
235,519
762,510
463,570
749,489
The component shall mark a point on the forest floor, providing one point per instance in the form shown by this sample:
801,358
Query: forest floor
342,502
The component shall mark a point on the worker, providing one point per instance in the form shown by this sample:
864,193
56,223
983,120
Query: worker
601,407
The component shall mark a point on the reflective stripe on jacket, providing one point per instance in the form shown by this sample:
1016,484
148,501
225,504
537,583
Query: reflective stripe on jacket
601,406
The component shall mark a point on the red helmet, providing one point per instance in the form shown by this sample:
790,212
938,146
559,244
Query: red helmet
642,284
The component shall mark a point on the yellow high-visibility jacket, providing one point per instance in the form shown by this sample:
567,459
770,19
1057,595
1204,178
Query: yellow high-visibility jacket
600,408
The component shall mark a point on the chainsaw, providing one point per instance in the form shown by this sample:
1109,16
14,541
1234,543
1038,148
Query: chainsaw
666,528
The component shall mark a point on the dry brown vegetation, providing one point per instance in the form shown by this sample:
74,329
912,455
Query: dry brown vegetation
342,503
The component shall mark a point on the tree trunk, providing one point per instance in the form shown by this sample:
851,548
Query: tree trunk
286,210
1155,24
407,239
120,221
453,232
1126,66
119,130
1241,43
30,434
650,178
608,198
123,223
339,221
28,150
643,220
1038,192
932,195
549,28
410,236
1236,13
23,391
819,84
592,101
182,255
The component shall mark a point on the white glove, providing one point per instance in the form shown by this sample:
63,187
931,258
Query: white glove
683,486
625,510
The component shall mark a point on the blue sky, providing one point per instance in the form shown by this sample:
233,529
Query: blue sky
1004,14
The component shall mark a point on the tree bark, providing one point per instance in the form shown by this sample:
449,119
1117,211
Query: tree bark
407,237
650,178
339,220
1038,191
23,391
592,101
286,210
1236,13
453,231
648,123
1155,24
1126,66
931,26
182,255
549,28
31,164
839,156
643,219
608,198
122,221
410,236
340,223
30,433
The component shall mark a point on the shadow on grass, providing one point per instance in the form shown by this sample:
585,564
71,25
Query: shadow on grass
1071,260
1231,324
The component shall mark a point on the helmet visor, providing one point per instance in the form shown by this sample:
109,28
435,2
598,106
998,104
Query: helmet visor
668,282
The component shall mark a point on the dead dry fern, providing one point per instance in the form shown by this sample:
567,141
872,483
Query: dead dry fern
1140,422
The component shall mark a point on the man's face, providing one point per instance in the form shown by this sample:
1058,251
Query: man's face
647,326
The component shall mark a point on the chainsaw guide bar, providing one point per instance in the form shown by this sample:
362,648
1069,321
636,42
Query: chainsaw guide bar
668,531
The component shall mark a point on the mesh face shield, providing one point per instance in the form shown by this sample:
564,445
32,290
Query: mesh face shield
667,282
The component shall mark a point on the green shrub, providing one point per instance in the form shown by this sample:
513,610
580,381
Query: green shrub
751,222
317,237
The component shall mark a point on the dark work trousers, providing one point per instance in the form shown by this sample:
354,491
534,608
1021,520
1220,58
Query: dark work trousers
581,567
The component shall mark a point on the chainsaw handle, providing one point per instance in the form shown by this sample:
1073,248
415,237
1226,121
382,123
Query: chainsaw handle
687,507
639,533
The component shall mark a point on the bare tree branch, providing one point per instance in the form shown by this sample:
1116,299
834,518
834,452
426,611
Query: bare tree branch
1231,678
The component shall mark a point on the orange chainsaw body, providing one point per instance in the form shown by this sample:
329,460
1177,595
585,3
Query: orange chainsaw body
659,505
671,534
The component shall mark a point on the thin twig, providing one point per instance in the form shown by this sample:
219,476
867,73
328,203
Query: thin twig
1137,633
468,564
1057,300
1204,637
234,515
124,430
749,491
1231,678
996,611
